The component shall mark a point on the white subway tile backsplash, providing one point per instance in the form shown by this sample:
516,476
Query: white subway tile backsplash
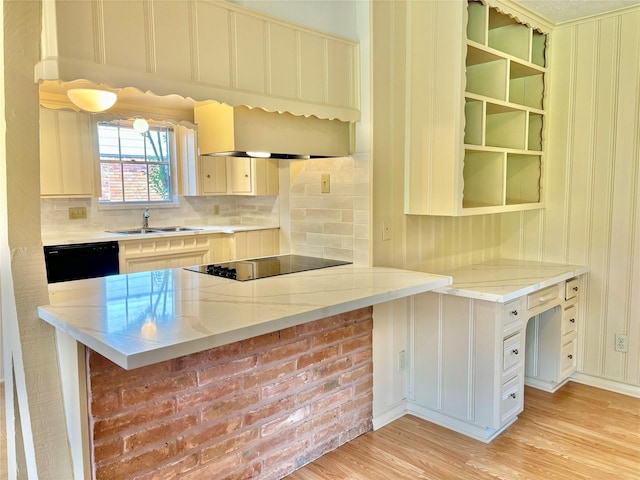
328,224
232,210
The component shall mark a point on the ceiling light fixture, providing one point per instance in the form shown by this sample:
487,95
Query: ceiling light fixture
91,99
259,154
140,125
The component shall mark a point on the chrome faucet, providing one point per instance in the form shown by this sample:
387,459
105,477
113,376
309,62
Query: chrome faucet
145,218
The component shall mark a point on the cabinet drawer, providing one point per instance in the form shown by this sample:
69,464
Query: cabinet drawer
571,288
542,297
569,319
568,357
512,316
511,400
512,352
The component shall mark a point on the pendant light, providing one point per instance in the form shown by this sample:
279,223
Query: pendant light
140,125
91,99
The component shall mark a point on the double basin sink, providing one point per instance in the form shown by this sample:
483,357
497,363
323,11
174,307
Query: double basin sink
138,231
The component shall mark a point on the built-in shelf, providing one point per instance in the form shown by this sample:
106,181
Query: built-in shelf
497,164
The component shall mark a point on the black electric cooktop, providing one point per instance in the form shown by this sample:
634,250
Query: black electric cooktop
254,268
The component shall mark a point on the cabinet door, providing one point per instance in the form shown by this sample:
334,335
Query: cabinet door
257,243
241,175
66,154
213,175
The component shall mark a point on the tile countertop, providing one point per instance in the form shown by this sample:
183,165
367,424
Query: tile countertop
503,280
66,238
143,318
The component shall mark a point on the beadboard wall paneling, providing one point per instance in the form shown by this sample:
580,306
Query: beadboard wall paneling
592,186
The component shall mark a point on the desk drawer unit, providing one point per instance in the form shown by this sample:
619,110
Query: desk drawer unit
542,297
511,399
571,288
569,318
512,352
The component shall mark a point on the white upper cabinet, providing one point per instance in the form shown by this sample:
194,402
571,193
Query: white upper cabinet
204,50
476,84
67,155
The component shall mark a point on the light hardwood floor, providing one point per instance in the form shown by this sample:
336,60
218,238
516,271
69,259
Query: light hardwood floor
580,432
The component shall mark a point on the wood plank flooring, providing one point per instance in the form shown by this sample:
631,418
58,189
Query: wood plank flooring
580,432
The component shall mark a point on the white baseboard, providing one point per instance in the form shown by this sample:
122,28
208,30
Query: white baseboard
485,435
390,415
606,384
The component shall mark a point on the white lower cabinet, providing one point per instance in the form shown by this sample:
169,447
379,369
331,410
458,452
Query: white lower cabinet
468,363
186,250
173,252
256,243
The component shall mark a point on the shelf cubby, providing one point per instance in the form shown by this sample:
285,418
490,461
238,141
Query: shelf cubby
523,179
534,140
474,122
538,48
509,36
526,85
483,175
477,22
505,127
488,78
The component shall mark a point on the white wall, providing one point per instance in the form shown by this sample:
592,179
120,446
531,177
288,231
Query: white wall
593,187
329,16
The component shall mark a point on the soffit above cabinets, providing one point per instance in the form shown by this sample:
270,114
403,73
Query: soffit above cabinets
202,50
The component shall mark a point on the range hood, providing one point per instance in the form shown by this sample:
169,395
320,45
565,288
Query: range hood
252,132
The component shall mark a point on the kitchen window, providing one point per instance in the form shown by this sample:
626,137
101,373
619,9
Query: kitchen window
135,167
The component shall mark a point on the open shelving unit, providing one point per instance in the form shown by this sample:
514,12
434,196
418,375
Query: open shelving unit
504,113
475,111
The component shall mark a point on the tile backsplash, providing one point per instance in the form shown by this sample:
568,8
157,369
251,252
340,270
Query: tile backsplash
335,224
221,210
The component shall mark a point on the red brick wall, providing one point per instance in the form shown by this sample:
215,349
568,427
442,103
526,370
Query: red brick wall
259,408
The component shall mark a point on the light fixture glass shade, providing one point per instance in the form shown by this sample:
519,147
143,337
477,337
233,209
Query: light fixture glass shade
259,154
140,125
91,99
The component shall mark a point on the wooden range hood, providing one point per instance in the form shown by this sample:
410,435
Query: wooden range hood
224,130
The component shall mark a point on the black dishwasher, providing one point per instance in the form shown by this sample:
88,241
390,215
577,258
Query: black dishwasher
81,260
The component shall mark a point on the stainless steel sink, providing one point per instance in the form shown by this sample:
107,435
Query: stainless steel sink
176,229
138,231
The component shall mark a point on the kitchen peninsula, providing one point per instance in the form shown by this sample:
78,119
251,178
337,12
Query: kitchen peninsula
189,375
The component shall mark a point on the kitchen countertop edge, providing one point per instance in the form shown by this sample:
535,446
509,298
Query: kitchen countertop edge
93,338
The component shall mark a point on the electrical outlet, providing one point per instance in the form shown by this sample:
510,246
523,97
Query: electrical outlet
402,361
621,342
386,229
77,213
216,209
325,183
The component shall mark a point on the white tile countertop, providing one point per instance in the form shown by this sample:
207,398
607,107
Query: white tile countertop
66,238
503,280
143,318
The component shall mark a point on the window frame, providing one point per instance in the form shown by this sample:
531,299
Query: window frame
172,201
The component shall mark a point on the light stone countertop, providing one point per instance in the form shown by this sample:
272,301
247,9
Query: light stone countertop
503,280
143,318
66,238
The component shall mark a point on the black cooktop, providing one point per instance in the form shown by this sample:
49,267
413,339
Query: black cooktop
254,268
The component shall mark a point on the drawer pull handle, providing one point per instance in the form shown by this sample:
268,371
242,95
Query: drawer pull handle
514,313
572,320
546,298
575,289
512,395
570,357
515,351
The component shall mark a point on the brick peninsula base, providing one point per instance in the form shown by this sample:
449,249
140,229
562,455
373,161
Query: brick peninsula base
260,408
